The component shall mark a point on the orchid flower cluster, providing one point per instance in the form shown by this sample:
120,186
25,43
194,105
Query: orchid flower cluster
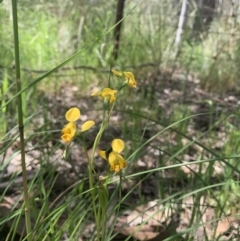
113,156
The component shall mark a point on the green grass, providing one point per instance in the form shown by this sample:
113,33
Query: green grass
65,54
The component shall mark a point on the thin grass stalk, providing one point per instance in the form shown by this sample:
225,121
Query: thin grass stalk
20,120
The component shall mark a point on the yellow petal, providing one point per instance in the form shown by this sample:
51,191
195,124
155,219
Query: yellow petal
102,154
109,93
116,162
121,161
129,75
73,114
130,79
112,98
87,125
132,83
66,130
115,168
70,129
116,72
96,93
66,138
118,145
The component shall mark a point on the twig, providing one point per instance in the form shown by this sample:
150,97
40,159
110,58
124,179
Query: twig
117,30
105,70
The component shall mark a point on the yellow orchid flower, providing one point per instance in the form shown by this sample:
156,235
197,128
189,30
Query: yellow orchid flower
130,79
106,93
115,160
69,131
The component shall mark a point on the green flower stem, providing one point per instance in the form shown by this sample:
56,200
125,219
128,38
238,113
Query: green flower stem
120,190
122,86
104,124
20,120
86,153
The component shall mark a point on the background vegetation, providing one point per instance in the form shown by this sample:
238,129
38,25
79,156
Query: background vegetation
181,124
